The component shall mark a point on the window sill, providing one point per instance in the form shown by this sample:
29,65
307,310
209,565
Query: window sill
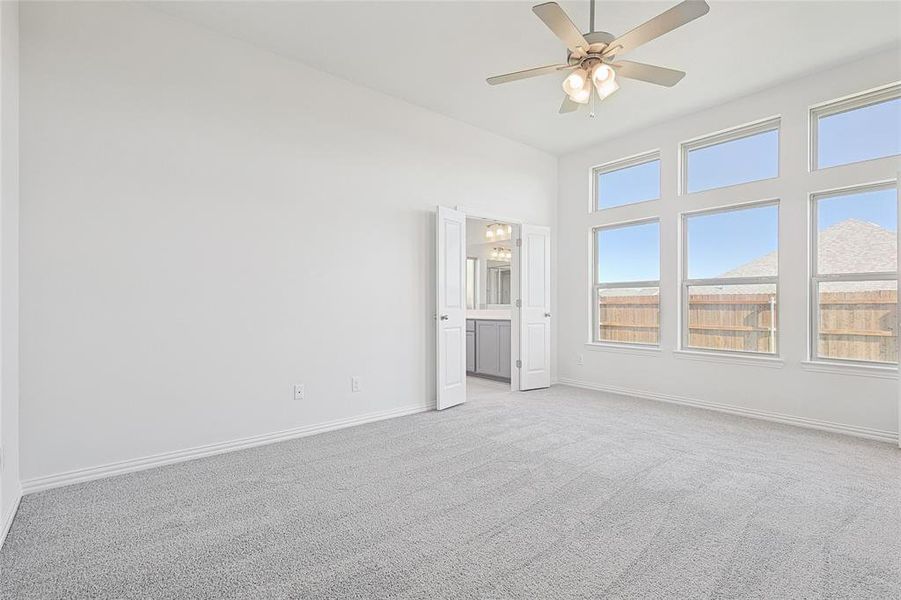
840,368
637,349
732,359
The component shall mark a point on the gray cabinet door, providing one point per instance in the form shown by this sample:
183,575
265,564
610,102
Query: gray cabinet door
487,355
504,349
470,351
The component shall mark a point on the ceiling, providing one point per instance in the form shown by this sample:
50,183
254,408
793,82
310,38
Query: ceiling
437,54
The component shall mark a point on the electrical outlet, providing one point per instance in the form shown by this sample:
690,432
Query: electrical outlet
580,359
298,391
355,384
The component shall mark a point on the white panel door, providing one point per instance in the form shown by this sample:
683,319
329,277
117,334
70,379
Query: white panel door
535,315
451,309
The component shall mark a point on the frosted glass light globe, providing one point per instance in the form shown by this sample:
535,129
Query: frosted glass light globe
575,81
607,88
602,73
582,96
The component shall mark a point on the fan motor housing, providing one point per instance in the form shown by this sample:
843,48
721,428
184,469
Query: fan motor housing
599,37
599,40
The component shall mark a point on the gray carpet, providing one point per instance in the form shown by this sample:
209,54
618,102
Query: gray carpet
562,493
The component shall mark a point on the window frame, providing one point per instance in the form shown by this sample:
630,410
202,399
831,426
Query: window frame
855,101
475,282
686,283
816,278
596,285
618,165
772,123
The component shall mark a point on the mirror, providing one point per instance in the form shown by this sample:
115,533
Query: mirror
498,285
489,254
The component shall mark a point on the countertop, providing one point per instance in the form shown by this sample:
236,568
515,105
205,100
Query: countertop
489,315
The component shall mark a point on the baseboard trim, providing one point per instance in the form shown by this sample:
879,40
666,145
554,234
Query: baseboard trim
863,432
39,484
7,521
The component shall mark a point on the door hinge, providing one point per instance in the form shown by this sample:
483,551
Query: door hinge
518,303
518,364
519,242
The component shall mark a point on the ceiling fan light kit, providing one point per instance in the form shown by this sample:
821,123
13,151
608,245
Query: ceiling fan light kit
591,58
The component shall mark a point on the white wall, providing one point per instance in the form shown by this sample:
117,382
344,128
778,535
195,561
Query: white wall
205,224
9,259
856,403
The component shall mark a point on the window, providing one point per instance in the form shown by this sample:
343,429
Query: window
472,278
854,287
863,127
627,181
730,289
627,283
741,155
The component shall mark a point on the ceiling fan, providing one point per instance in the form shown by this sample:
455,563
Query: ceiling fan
592,58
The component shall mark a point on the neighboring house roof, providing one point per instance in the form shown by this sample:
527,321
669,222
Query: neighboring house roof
850,246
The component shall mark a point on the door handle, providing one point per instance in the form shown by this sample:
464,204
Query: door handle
444,317
548,315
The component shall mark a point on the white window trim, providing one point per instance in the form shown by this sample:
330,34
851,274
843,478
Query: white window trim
726,357
814,359
624,348
878,370
863,99
618,165
593,339
773,123
686,283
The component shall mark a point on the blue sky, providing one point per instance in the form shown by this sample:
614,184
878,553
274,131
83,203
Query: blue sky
878,207
629,253
852,136
720,242
739,161
627,186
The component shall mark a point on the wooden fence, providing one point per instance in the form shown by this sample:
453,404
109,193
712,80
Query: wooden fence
859,325
634,319
853,325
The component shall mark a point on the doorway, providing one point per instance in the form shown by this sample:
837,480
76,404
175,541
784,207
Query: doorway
493,303
490,245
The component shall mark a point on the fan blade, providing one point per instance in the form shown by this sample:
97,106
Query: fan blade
557,21
525,74
677,16
649,73
568,106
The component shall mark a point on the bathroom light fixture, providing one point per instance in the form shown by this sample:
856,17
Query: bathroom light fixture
500,254
498,232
